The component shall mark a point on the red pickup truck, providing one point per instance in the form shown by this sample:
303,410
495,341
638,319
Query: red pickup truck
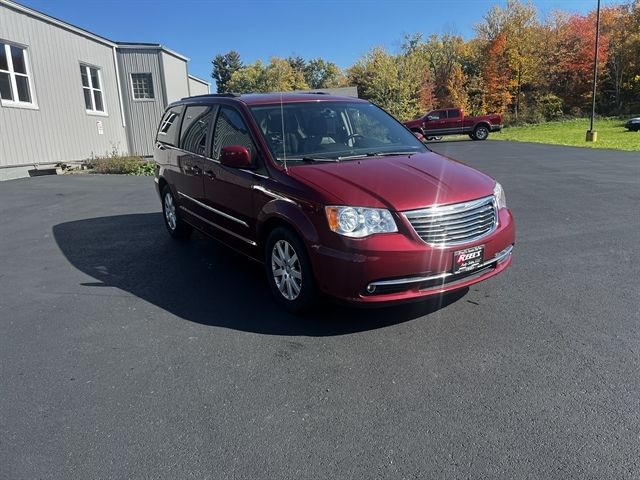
452,121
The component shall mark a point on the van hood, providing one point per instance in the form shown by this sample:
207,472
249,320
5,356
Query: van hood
396,182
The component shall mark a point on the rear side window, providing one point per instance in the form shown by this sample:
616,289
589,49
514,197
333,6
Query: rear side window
231,130
453,113
168,131
195,129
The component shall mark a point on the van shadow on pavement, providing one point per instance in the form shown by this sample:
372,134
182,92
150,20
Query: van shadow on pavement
205,282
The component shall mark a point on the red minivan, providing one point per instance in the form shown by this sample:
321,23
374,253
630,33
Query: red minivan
332,194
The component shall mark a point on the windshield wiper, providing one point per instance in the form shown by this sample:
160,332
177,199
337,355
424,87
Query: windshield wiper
310,159
377,154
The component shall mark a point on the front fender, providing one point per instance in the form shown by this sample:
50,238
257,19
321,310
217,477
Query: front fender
296,215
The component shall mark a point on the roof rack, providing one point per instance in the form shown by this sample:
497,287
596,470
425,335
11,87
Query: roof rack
228,95
314,93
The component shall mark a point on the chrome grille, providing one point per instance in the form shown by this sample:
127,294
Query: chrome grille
455,224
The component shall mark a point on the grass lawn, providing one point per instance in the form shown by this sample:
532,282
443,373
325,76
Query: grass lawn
611,134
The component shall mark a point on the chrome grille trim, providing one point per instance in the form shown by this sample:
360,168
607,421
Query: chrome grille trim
498,258
456,224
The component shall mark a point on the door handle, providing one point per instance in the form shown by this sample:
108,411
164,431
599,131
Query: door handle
196,170
211,174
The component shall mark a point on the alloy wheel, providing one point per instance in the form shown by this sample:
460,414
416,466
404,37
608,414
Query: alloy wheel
170,211
286,269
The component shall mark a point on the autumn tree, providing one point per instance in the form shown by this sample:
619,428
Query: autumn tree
621,25
496,76
518,24
572,70
444,55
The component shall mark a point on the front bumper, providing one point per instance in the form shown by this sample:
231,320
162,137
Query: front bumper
496,128
395,268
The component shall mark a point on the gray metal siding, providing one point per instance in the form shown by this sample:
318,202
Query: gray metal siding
60,129
142,115
196,87
175,77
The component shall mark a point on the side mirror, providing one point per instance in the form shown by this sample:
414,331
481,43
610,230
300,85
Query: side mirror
235,156
419,136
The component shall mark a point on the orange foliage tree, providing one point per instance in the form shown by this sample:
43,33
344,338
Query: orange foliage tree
496,76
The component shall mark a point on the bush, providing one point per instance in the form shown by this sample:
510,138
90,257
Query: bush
550,106
121,164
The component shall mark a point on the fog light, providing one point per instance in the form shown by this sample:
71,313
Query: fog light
371,288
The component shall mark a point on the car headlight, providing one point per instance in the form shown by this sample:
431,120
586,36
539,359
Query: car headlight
360,222
498,192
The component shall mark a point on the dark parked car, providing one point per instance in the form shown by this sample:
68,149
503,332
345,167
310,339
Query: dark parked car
633,124
333,194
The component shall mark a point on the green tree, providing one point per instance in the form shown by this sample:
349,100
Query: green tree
223,68
247,79
396,83
277,76
319,73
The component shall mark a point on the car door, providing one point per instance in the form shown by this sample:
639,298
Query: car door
435,123
228,191
195,135
454,121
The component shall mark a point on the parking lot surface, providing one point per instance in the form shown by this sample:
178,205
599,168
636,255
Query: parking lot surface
124,354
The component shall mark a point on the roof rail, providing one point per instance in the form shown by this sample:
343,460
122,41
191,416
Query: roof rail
314,93
215,95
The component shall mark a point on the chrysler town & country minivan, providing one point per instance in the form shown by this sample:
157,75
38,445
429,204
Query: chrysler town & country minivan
332,194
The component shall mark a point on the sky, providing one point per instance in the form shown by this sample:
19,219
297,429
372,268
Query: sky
338,31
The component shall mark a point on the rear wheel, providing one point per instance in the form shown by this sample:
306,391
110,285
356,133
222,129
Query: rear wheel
172,220
481,132
289,271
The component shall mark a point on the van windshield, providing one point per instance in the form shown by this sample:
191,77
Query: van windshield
332,131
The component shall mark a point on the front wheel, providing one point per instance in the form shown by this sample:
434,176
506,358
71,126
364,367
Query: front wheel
172,220
289,271
480,133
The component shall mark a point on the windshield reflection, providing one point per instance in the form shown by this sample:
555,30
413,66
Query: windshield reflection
332,131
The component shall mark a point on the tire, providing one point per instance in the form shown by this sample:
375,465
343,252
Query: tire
176,226
472,137
481,132
289,271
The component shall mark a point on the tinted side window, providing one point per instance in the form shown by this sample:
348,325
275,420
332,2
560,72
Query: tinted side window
231,130
453,113
168,130
195,128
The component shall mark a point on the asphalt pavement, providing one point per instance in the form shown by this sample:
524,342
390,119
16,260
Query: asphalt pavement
124,354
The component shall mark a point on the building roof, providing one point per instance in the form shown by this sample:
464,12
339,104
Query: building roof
150,46
198,79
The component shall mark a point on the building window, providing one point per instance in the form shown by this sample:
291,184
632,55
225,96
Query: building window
16,88
142,86
92,88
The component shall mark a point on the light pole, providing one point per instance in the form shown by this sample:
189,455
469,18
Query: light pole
592,135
